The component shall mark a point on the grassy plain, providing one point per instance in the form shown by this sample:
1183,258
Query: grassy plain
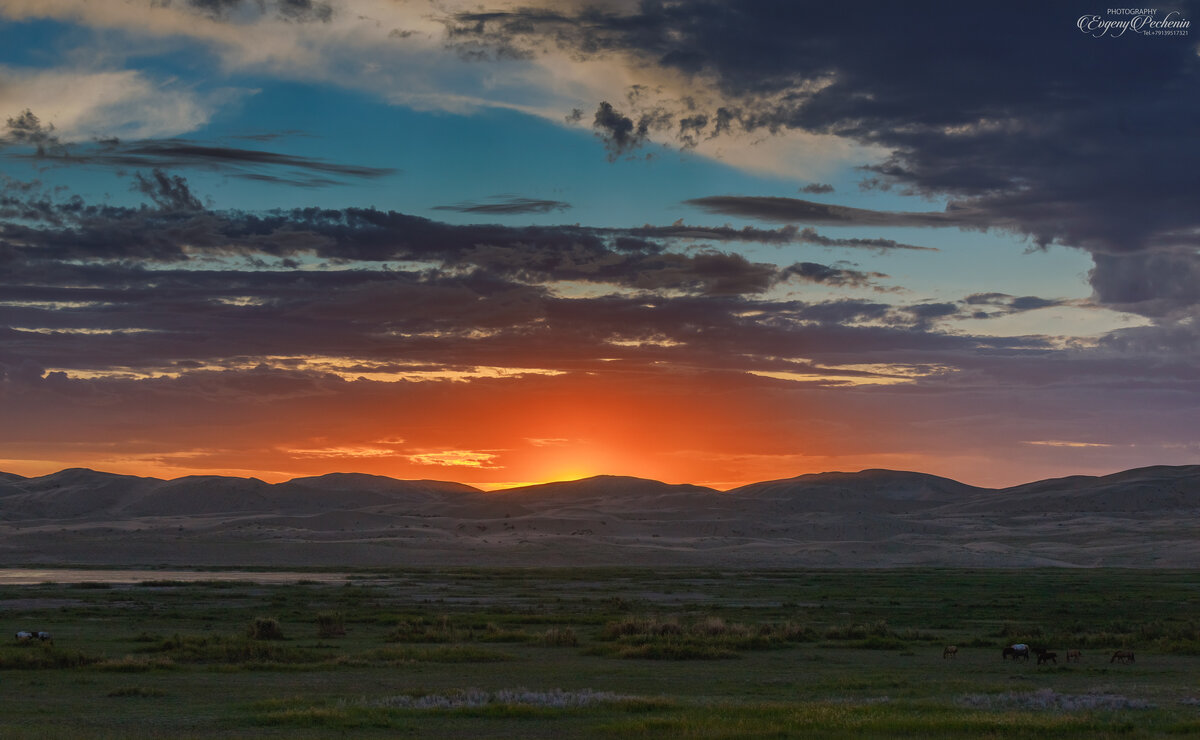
607,653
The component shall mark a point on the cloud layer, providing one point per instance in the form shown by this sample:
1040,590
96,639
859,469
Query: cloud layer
283,340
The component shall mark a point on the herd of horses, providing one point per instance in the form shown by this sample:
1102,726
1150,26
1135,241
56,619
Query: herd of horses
31,635
1021,651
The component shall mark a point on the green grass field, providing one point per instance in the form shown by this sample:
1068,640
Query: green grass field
607,653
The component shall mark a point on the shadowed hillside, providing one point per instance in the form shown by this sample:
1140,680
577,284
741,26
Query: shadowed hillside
873,518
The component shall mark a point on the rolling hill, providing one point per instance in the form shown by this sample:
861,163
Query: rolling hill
872,518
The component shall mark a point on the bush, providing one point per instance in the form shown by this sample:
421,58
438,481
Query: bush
878,628
135,664
875,642
418,630
331,624
676,651
493,632
231,650
560,637
640,628
136,691
265,628
51,658
707,638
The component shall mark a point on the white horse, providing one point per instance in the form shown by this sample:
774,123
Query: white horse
24,636
45,637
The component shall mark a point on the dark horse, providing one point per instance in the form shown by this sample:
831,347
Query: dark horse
1016,652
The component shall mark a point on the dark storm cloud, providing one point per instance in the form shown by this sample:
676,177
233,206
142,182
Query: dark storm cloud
304,11
1157,283
1008,304
208,295
926,313
170,192
1022,121
183,153
155,319
215,8
180,231
508,205
27,131
843,312
809,235
827,275
783,235
295,181
619,133
796,210
173,289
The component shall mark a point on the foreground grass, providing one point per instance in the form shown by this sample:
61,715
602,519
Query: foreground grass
592,652
826,720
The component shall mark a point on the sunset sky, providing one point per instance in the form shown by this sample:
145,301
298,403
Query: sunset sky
503,243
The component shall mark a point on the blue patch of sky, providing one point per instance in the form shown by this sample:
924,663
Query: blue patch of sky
34,43
445,159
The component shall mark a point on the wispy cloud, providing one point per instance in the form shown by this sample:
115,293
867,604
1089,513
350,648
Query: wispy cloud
507,205
26,136
456,459
343,452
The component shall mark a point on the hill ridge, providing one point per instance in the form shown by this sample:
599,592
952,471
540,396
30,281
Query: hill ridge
863,474
872,518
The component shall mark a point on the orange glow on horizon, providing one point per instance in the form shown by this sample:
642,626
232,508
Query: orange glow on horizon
720,430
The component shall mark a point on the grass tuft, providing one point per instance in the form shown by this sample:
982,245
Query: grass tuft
265,628
47,658
136,691
331,624
135,664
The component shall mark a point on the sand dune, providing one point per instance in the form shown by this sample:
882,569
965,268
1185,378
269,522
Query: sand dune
873,518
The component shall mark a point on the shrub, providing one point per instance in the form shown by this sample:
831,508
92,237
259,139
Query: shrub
878,628
875,642
331,624
234,650
135,664
136,691
676,651
493,632
265,628
418,630
560,637
51,658
640,628
439,654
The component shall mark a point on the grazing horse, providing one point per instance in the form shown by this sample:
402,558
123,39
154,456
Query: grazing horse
951,651
1047,656
1074,656
45,637
24,636
1016,652
1122,656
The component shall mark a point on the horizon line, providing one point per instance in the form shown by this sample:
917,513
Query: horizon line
511,486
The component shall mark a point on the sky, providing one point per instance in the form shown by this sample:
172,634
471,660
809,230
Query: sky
509,243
